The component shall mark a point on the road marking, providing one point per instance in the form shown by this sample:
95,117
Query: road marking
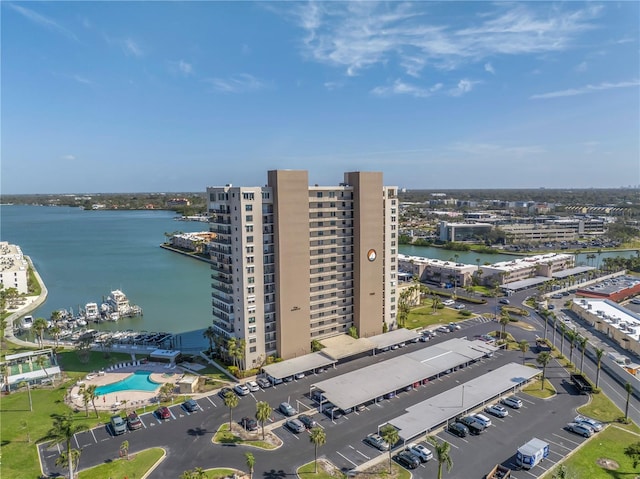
346,458
94,436
363,455
559,445
76,439
208,399
567,439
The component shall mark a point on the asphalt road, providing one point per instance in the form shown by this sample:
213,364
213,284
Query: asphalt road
187,436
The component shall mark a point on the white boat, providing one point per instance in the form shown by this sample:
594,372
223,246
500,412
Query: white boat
91,311
27,322
81,321
114,316
118,302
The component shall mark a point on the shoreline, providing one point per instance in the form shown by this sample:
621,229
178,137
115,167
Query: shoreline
185,253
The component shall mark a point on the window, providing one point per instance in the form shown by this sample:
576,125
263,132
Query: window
252,319
251,280
248,196
249,239
252,329
252,349
249,218
252,340
318,194
250,269
249,228
251,290
249,259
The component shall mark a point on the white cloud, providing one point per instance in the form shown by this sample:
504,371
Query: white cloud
181,67
83,80
582,67
236,84
359,35
495,149
400,87
68,157
585,89
463,86
488,67
131,47
332,85
43,21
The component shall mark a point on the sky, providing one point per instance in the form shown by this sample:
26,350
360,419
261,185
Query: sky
100,97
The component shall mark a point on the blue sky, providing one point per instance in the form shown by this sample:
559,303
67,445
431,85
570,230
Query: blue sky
178,96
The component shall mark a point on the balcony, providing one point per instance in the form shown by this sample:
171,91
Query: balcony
222,288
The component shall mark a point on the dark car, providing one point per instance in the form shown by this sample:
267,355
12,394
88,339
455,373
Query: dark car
459,429
406,459
133,421
307,421
190,405
249,424
163,412
474,426
223,392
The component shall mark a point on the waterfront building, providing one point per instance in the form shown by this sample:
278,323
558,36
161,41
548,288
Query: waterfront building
460,232
441,272
14,269
192,241
528,267
293,263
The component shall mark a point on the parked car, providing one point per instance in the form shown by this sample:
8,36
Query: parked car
512,401
133,421
580,429
420,451
253,386
307,421
406,459
497,410
288,379
190,405
458,429
163,412
264,383
484,420
249,424
223,392
376,441
295,425
299,375
442,329
475,427
504,301
241,389
118,425
332,411
592,423
286,409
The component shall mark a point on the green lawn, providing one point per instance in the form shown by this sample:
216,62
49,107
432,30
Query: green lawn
224,436
534,389
601,408
424,316
76,369
308,471
136,466
608,444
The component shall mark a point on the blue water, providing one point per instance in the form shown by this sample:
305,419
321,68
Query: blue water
138,381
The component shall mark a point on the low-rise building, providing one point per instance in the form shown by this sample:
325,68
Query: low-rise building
14,268
432,270
526,267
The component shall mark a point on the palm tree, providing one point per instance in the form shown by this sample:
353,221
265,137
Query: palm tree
86,398
55,332
390,435
166,391
563,331
524,347
231,349
435,303
240,350
251,462
73,459
91,391
124,449
572,336
582,342
318,437
599,353
504,320
263,413
40,326
629,388
63,430
231,401
41,361
209,334
442,450
553,323
543,359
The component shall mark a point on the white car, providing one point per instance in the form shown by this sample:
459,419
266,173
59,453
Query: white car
420,452
512,401
253,386
484,420
497,410
241,389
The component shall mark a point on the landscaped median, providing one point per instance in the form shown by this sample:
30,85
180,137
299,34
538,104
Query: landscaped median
326,470
136,465
237,435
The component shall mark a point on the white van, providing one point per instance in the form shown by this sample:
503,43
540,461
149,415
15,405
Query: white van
448,302
482,419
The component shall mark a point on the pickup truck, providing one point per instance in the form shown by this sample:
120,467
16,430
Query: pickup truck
581,383
542,345
499,472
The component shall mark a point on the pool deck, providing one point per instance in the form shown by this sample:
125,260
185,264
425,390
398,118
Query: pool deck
131,399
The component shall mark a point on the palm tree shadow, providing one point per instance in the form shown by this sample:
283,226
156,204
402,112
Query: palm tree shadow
198,431
273,474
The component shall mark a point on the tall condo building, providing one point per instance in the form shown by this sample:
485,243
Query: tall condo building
293,263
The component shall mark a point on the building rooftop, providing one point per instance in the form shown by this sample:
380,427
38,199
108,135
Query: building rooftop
613,314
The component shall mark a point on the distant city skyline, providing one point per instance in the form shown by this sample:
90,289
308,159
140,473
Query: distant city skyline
178,96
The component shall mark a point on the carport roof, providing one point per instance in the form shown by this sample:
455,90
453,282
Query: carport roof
434,411
343,346
357,387
524,283
572,271
396,336
300,364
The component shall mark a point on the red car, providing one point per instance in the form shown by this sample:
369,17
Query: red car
163,412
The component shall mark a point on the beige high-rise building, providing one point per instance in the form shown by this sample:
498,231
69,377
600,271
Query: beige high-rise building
293,263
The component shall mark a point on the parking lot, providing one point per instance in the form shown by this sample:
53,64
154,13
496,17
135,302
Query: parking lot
345,446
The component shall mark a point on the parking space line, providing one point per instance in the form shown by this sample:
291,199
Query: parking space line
143,424
171,412
363,455
346,458
209,399
450,443
94,436
75,436
567,439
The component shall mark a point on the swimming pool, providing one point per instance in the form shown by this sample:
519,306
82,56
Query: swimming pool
139,381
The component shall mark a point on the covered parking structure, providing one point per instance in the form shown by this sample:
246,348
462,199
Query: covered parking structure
301,364
368,384
524,284
438,410
397,336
